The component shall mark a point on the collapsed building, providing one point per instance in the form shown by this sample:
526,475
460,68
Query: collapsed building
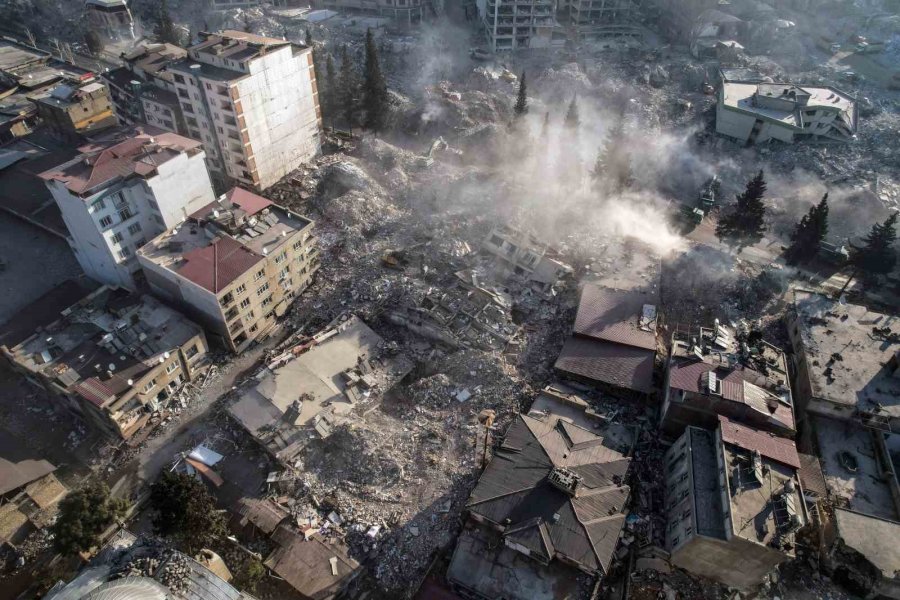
613,344
549,504
713,371
235,264
403,12
755,111
122,190
733,502
112,17
113,355
314,387
516,25
847,381
520,254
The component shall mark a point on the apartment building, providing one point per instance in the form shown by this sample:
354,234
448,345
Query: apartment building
124,190
113,355
254,104
520,24
71,111
519,254
143,90
733,502
590,19
234,265
404,12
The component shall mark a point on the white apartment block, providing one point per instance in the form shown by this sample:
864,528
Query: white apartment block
254,104
520,24
123,191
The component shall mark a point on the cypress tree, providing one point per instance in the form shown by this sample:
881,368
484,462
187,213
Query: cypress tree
164,29
545,128
375,96
807,236
878,256
329,96
348,89
745,224
521,106
308,39
572,119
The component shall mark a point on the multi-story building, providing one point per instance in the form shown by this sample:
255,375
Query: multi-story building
254,104
520,24
112,17
112,354
590,19
72,111
124,190
733,502
143,90
234,265
404,12
520,254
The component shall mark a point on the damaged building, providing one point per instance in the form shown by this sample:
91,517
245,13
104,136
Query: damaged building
234,264
754,111
520,254
613,343
733,502
714,371
113,355
123,190
315,386
518,25
112,17
549,505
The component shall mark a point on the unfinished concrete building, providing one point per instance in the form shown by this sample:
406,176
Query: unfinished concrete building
403,12
254,104
548,506
112,17
520,24
235,265
522,255
123,190
714,371
613,344
756,112
593,19
733,502
113,355
313,388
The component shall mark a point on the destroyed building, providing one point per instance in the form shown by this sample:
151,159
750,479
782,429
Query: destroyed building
253,102
315,386
733,502
113,355
403,12
593,19
712,371
516,25
143,89
548,506
755,111
136,567
520,254
112,17
613,344
234,265
123,190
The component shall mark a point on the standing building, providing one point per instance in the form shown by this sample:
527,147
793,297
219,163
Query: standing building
124,190
520,24
234,265
403,12
254,104
592,19
733,502
113,355
71,111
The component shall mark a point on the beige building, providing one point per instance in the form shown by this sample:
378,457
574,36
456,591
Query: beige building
71,111
254,104
113,354
234,265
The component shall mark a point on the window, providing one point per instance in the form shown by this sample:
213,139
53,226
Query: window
496,240
106,221
179,79
138,243
209,87
263,289
125,214
98,205
192,351
240,289
253,329
124,252
284,272
134,228
259,275
171,367
116,237
250,315
297,244
149,385
267,301
245,302
280,258
183,94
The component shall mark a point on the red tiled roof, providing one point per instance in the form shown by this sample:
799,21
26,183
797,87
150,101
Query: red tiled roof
611,315
216,266
615,364
769,445
248,201
140,154
95,391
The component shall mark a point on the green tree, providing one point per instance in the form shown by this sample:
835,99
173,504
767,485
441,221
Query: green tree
83,515
745,224
375,95
520,108
807,236
249,575
573,121
545,127
185,511
308,38
878,256
94,42
329,93
612,167
347,94
164,29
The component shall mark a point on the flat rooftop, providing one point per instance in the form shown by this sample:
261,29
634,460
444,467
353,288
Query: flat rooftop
225,239
848,350
740,95
15,56
710,514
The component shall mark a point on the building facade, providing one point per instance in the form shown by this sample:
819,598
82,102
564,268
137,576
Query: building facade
404,12
123,191
520,24
254,104
71,111
112,17
114,355
519,254
234,265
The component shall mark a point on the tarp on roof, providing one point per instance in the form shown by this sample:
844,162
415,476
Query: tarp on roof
203,454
